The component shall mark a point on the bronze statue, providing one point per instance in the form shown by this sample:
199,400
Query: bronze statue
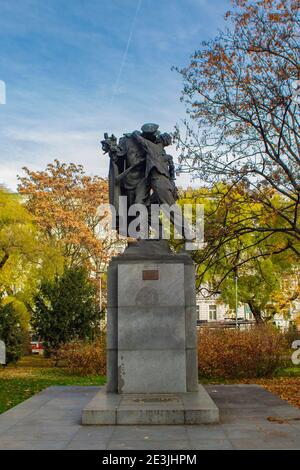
141,169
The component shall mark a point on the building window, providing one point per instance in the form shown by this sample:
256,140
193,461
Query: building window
212,312
198,311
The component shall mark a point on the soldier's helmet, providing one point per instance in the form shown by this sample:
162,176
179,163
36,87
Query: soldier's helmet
149,128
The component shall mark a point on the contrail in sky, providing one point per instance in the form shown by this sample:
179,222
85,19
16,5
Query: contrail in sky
124,58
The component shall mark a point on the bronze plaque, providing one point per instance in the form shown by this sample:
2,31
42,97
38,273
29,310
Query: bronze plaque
151,275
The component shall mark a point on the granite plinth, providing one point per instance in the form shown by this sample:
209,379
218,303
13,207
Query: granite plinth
151,321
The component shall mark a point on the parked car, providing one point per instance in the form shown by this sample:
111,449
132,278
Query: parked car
36,345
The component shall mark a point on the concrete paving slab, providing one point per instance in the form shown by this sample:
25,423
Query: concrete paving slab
87,445
93,433
149,445
43,423
44,431
264,444
212,444
32,445
209,431
144,433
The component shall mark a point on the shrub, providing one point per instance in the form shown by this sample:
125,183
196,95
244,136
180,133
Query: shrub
250,353
82,357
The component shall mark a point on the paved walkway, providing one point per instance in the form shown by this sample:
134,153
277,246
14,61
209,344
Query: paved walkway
51,420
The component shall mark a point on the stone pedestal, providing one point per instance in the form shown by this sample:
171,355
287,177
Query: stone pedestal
151,321
151,340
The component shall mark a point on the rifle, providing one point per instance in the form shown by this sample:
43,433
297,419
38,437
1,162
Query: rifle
124,173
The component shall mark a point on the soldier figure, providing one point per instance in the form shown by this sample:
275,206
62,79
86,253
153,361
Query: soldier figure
141,169
160,171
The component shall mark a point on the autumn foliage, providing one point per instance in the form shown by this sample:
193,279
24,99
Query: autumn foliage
64,203
257,352
82,357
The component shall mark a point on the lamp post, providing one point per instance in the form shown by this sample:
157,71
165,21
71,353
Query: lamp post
236,298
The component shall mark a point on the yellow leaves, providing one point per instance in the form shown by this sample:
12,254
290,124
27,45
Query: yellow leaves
20,309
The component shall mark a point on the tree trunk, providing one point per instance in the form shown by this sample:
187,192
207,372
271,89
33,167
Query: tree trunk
3,260
255,310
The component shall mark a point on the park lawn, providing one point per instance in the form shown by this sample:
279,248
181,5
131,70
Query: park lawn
31,375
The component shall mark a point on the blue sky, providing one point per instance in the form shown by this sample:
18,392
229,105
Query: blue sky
68,79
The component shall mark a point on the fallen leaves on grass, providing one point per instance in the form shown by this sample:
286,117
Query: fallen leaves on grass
31,375
287,388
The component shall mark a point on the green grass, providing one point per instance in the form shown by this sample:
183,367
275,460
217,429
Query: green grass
293,371
31,375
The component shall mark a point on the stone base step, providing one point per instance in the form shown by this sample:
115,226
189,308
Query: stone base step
153,408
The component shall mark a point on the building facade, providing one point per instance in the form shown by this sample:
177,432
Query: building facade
212,309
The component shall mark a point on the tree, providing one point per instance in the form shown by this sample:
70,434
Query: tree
240,92
262,286
12,332
260,272
25,259
64,203
65,308
25,256
17,234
